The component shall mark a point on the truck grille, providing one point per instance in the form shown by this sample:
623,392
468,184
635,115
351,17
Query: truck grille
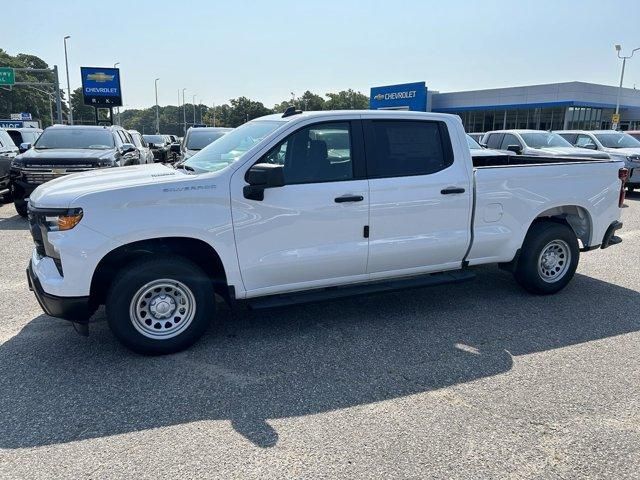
36,232
38,174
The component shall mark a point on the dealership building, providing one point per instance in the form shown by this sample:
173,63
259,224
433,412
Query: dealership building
556,106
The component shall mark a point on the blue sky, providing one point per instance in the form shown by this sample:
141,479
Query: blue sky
266,49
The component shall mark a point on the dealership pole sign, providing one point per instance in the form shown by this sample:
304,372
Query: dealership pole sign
407,96
101,87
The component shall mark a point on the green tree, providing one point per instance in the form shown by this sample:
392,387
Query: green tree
347,100
22,98
82,114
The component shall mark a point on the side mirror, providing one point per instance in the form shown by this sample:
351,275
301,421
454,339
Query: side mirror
127,148
175,148
260,177
483,145
151,145
24,147
590,146
517,149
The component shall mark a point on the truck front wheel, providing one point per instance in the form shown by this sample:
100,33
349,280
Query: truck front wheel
548,259
160,306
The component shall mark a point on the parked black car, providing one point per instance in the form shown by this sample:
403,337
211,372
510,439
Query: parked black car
8,151
159,145
62,150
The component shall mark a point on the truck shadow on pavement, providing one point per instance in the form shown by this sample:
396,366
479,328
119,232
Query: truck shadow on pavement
57,387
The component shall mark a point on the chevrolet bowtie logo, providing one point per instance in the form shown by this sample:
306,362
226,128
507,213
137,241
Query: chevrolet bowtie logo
379,96
100,77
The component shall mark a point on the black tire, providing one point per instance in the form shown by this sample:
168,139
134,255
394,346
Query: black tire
536,275
134,279
21,207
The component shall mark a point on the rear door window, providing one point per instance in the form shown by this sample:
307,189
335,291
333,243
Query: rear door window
398,148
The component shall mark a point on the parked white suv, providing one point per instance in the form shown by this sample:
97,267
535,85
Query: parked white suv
619,146
308,206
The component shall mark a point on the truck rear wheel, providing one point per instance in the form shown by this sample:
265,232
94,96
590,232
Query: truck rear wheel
548,259
160,306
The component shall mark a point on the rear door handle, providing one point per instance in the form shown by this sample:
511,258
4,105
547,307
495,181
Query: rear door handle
450,190
349,198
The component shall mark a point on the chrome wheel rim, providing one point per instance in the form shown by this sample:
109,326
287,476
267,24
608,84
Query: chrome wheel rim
162,309
554,261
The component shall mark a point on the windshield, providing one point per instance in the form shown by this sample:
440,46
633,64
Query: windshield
232,146
544,140
157,139
617,140
473,145
72,138
198,139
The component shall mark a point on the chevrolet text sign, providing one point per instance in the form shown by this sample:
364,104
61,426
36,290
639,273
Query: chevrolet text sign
409,96
101,87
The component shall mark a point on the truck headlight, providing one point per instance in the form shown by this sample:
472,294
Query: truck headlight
63,221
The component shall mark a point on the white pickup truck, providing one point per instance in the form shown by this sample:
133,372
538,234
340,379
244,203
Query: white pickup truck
300,207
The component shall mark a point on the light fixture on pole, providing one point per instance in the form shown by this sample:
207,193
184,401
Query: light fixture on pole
115,65
614,125
66,61
157,109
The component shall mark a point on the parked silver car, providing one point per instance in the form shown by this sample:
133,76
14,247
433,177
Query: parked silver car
536,142
146,155
619,146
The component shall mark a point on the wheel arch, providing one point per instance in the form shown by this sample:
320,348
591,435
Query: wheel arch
198,251
575,217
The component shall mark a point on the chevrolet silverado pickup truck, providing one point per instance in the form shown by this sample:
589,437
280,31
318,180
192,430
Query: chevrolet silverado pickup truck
300,207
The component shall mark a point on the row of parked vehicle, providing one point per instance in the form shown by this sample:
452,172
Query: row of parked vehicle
36,157
596,144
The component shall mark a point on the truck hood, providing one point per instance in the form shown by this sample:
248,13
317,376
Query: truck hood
569,152
59,193
66,156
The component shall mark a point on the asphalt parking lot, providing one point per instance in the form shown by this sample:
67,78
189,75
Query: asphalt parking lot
475,380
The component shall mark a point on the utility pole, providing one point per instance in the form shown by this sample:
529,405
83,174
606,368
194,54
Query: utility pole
58,98
115,65
66,61
184,114
194,109
157,109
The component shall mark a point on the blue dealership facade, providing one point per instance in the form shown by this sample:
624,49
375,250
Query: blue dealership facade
568,105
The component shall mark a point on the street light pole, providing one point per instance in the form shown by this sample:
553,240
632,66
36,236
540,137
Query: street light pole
157,109
624,62
115,65
66,61
184,114
194,109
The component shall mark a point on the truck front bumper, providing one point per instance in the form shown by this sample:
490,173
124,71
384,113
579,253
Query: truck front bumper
76,309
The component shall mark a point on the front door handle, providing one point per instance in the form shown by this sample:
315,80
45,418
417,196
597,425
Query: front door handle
349,198
450,190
